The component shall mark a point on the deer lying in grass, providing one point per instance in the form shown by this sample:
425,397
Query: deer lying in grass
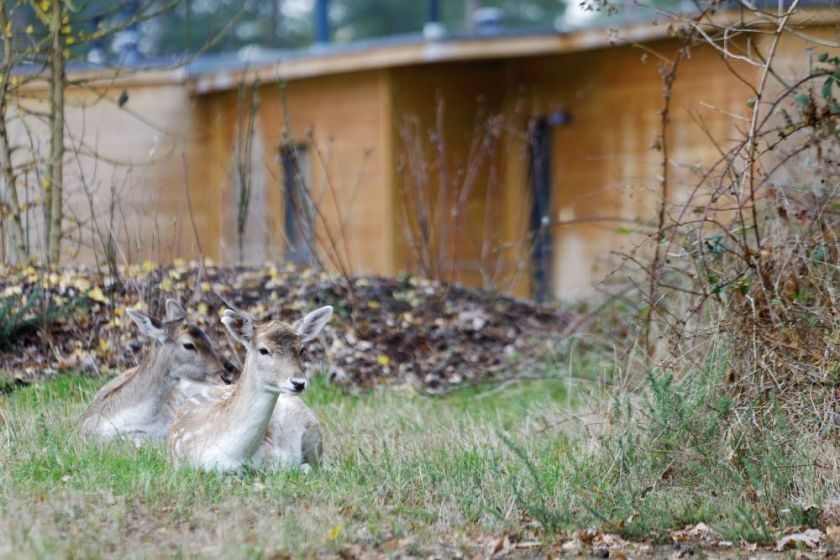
260,422
141,402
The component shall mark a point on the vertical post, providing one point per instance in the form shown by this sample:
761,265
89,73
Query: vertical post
470,7
8,188
433,11
322,22
55,175
433,30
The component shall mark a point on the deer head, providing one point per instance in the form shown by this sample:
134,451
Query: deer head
274,348
184,351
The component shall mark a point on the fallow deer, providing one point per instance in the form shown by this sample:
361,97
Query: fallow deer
260,422
141,402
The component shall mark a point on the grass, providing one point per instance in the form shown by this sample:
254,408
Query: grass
411,475
400,466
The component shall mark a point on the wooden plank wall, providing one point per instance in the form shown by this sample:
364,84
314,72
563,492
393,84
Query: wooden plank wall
606,162
143,151
338,121
605,167
447,107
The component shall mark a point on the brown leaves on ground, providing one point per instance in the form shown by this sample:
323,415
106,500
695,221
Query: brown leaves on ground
384,331
808,539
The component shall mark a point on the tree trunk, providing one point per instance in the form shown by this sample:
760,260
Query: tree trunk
55,175
8,191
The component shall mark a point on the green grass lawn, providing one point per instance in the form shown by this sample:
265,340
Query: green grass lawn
403,472
408,474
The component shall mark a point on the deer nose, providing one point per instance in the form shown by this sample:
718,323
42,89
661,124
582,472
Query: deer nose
298,385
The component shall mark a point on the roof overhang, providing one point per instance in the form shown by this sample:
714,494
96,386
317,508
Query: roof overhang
310,63
378,54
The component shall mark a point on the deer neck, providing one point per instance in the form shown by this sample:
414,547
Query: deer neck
248,414
151,383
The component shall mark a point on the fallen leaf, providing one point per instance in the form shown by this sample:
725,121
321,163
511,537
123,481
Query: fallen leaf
809,539
333,533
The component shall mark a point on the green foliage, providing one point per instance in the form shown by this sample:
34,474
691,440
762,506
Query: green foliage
533,501
19,312
678,454
14,315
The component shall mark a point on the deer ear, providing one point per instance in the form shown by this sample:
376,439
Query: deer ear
239,325
148,325
174,311
311,325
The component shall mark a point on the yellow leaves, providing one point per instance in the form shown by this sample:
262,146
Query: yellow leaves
334,533
178,263
206,287
148,266
46,183
70,41
384,360
96,295
373,304
65,53
67,30
31,273
203,309
258,310
166,285
12,291
81,284
407,319
104,346
44,5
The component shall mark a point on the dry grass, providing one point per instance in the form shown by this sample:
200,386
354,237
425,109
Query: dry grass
404,472
409,474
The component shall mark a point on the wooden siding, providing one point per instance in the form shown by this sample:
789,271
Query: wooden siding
444,105
339,122
170,140
145,150
606,163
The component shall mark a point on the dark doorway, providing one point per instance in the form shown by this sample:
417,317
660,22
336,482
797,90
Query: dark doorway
540,223
298,211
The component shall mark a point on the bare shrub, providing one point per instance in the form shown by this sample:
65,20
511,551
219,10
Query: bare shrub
739,327
450,208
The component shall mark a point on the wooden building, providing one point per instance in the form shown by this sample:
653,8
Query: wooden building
522,162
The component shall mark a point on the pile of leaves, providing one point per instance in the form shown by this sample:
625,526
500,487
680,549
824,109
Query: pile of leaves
399,331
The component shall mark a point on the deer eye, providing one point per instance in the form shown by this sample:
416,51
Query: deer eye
189,346
263,350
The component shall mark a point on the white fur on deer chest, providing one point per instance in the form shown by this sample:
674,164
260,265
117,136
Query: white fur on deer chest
226,447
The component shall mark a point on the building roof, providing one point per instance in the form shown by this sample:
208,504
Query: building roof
223,71
414,49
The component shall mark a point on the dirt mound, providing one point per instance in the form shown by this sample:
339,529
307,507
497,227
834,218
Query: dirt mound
385,330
